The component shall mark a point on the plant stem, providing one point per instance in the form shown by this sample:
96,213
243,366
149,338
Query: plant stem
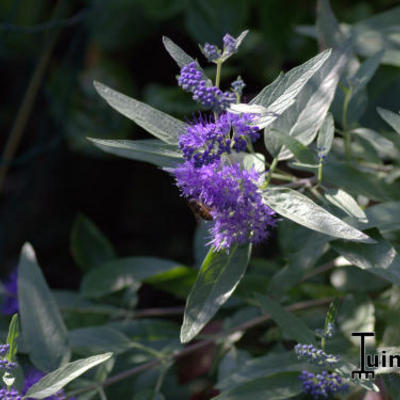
28,101
304,305
270,172
218,74
346,132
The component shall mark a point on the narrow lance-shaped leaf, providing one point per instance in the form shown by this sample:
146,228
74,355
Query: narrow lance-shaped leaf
158,123
302,210
180,56
305,117
391,118
345,202
56,380
13,333
291,326
217,279
43,329
153,151
89,245
326,134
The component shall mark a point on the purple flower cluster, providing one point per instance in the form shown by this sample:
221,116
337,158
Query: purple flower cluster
206,140
7,365
328,333
211,52
9,394
10,302
191,80
231,193
238,85
229,44
322,385
4,349
315,356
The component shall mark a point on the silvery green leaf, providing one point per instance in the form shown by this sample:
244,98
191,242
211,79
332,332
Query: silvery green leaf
180,57
391,118
381,31
305,117
383,146
13,333
256,161
56,380
153,151
217,279
281,94
345,202
247,108
43,329
279,142
159,124
302,210
326,134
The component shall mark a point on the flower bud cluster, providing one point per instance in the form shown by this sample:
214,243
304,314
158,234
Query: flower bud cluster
7,365
323,385
328,333
4,349
238,85
9,394
191,80
316,356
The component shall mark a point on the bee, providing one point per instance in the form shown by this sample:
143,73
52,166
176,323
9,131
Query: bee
200,210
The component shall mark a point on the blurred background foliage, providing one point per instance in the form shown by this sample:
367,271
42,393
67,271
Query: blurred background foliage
61,47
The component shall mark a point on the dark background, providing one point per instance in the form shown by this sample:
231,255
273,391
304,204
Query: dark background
56,173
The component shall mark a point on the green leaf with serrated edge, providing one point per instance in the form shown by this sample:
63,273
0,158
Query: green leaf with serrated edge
391,118
288,85
153,151
276,387
120,273
217,279
159,124
326,134
292,326
345,202
93,339
262,367
305,117
279,141
13,333
43,329
88,244
302,210
380,258
56,380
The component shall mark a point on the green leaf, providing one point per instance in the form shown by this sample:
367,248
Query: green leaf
121,273
276,387
57,379
153,151
365,72
292,326
180,57
380,258
326,134
217,279
302,210
379,32
357,182
89,245
331,315
305,117
391,118
13,333
93,339
392,384
159,124
277,142
280,95
328,29
262,367
43,329
346,203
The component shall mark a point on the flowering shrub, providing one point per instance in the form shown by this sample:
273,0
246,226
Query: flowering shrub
294,169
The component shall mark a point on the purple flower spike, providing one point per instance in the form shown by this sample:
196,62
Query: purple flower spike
323,385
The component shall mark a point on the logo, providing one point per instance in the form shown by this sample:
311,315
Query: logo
381,359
